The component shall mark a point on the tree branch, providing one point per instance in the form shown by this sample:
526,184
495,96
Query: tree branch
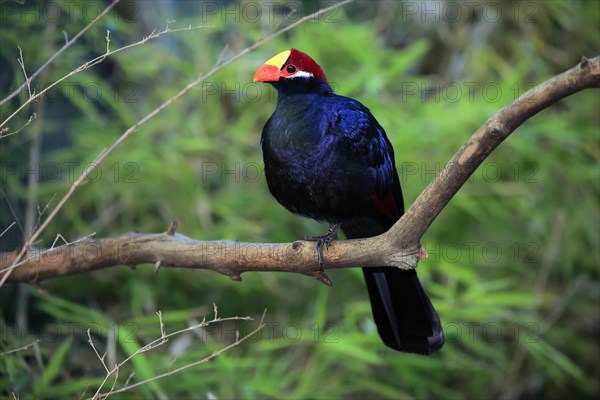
229,257
125,135
67,44
434,198
398,247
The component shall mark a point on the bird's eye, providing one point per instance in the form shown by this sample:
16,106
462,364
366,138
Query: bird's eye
290,69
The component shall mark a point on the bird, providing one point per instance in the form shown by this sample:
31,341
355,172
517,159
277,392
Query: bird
327,158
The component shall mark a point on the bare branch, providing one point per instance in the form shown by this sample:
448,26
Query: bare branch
22,64
434,198
227,257
237,342
89,64
7,228
107,41
22,348
4,131
159,342
104,153
398,247
55,55
101,358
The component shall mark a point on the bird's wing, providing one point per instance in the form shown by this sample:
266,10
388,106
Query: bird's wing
366,141
403,313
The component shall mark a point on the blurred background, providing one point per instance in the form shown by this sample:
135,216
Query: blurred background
514,259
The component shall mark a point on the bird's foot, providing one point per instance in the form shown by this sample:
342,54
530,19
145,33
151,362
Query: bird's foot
324,240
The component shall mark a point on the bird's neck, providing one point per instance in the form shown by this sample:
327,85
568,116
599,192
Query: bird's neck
302,86
302,99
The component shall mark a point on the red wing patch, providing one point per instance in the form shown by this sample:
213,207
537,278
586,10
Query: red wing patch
387,206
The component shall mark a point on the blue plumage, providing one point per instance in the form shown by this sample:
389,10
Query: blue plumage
327,158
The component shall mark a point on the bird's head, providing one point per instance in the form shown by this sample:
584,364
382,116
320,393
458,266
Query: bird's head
288,66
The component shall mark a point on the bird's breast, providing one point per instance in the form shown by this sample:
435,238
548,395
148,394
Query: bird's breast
307,176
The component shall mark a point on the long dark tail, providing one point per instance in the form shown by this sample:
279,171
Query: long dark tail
403,313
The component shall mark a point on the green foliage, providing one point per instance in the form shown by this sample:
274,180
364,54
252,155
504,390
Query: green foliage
513,260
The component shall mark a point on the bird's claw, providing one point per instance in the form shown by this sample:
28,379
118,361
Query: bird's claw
324,240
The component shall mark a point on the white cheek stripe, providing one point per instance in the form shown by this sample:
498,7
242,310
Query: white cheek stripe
302,74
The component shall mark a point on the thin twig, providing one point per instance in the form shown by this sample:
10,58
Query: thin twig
101,358
104,153
237,342
3,135
162,340
162,326
12,211
20,348
93,62
6,230
107,41
55,55
59,248
22,64
58,236
35,134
